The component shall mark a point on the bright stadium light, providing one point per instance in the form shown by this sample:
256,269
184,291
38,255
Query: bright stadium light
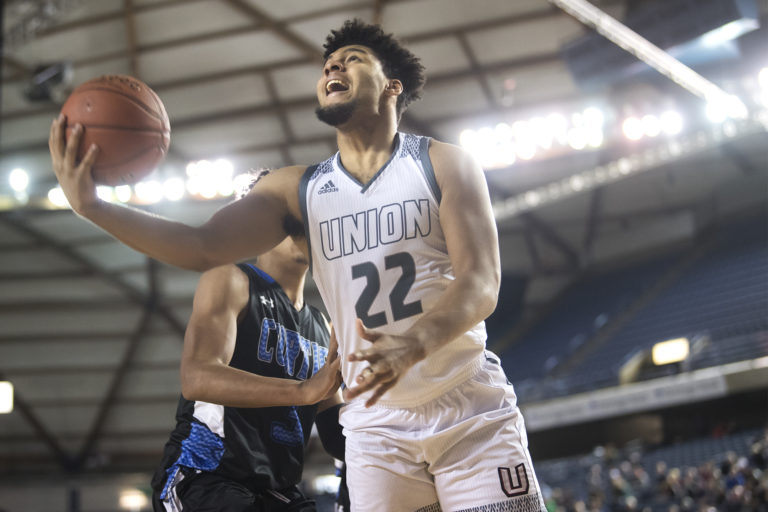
670,351
133,500
173,189
123,193
19,180
762,78
57,198
6,397
632,128
104,193
724,107
671,122
651,125
149,191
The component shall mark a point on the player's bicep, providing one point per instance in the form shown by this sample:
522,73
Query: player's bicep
256,223
221,295
466,215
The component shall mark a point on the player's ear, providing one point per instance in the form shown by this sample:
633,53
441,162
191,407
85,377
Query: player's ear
395,87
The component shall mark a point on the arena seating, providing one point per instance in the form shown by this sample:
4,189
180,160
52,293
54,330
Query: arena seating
720,296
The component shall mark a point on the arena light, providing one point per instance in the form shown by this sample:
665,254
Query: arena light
242,183
671,122
637,45
104,193
762,77
670,351
651,125
326,484
123,193
6,397
133,499
647,159
19,180
632,128
149,192
57,198
725,107
173,189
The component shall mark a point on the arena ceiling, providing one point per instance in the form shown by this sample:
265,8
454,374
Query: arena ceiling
90,331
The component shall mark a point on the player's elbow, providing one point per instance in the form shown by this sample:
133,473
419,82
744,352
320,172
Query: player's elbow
192,382
488,297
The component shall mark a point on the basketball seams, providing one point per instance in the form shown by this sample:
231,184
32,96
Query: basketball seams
133,99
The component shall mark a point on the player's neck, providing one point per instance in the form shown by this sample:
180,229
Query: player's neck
289,276
364,149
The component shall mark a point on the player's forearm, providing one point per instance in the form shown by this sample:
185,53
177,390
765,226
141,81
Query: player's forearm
224,385
165,240
464,303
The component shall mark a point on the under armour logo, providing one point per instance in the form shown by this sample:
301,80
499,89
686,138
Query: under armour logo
266,301
328,187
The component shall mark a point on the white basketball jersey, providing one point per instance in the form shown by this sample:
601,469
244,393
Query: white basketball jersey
378,253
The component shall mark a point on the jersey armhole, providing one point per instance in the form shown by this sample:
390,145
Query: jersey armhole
303,200
428,169
245,268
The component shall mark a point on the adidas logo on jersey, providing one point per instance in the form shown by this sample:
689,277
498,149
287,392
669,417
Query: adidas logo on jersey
328,187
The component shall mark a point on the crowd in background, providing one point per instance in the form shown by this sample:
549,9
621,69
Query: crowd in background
620,482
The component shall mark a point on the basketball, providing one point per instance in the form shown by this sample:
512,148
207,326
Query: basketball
126,120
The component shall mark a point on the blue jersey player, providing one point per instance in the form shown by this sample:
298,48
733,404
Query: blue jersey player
256,369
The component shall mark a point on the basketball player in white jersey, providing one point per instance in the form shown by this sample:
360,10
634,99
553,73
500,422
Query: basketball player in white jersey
403,246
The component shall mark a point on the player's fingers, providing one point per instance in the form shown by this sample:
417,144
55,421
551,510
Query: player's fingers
333,346
383,388
90,157
55,138
369,355
366,333
70,151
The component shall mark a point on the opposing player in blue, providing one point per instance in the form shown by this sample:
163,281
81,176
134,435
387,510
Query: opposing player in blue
257,371
403,247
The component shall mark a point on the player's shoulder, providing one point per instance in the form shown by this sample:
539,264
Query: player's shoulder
225,276
283,176
226,286
449,159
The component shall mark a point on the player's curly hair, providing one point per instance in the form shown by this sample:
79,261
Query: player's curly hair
396,60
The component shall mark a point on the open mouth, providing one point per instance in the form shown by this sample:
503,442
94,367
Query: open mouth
335,86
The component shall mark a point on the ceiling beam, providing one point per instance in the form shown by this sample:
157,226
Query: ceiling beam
550,235
378,11
533,251
62,458
15,221
88,369
593,221
130,37
263,19
479,74
119,376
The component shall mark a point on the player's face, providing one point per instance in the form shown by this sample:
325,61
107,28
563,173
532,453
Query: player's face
352,80
288,251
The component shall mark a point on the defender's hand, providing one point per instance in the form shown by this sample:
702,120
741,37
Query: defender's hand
389,359
326,381
75,178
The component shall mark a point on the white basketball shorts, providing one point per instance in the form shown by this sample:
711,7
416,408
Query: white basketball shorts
467,450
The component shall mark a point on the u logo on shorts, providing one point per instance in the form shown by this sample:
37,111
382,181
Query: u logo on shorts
514,485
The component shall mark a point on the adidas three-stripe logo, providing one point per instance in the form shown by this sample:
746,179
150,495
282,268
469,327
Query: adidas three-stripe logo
328,187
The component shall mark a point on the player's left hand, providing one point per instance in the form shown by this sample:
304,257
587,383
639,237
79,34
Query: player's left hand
389,359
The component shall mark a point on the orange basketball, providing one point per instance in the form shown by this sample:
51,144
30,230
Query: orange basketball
127,120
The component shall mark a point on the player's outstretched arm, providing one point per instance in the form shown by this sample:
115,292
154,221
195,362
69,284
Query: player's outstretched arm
240,230
466,218
209,343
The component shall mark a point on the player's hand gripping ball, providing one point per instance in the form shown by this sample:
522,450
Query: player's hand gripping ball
126,120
